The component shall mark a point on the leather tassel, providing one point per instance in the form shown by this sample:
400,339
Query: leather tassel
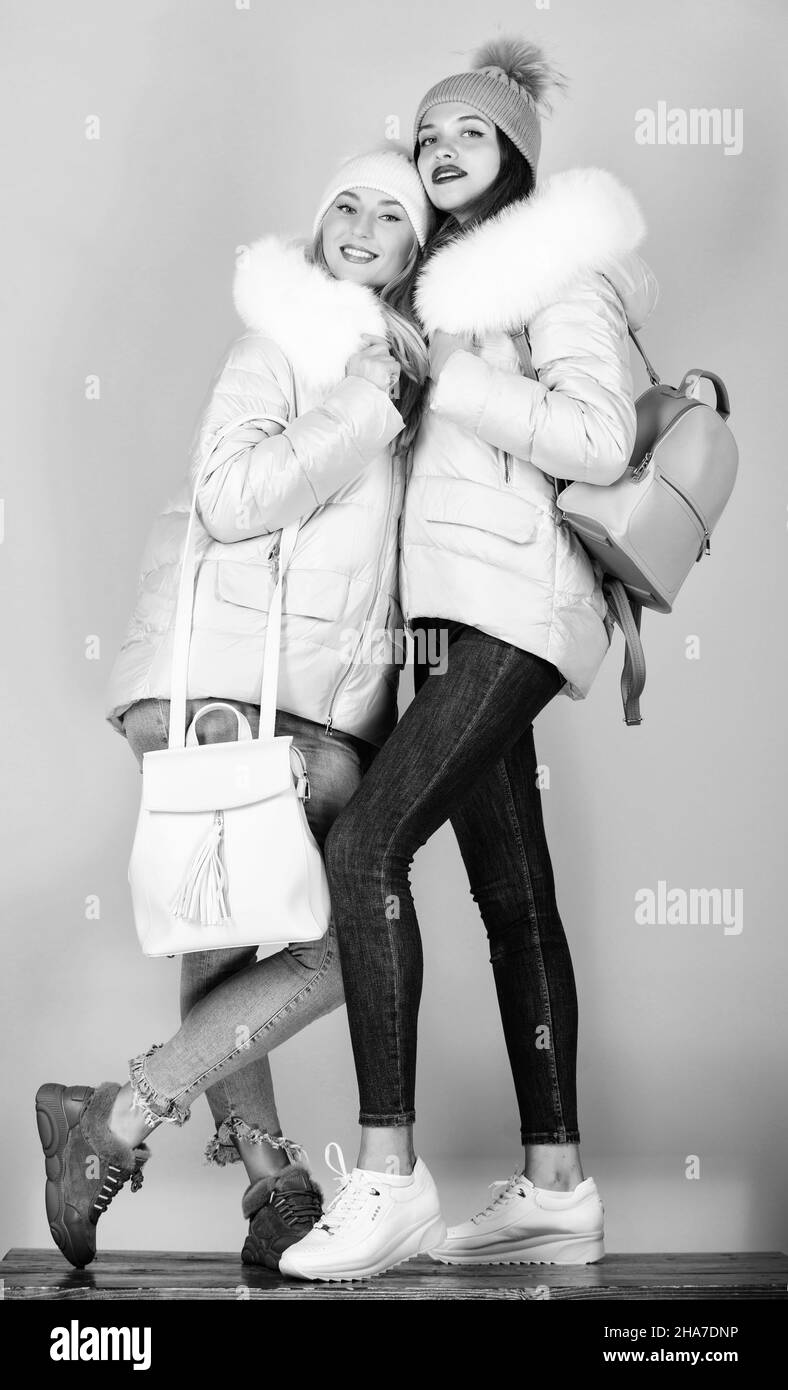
202,896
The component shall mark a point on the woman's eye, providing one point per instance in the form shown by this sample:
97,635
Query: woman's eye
426,141
473,132
390,217
345,207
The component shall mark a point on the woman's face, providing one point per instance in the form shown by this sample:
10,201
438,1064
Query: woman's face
458,157
367,237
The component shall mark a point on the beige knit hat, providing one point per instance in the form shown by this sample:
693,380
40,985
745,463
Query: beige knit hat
389,169
508,82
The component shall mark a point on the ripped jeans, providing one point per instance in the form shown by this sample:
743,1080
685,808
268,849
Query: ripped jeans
235,1008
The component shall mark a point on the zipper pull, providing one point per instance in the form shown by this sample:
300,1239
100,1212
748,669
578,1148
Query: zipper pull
708,544
329,722
642,466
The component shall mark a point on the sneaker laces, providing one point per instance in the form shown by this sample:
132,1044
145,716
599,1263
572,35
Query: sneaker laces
116,1178
506,1188
354,1191
297,1208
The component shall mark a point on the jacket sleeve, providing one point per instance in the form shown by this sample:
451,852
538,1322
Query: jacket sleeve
578,420
266,470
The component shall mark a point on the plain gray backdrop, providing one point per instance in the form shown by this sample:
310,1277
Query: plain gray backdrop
219,123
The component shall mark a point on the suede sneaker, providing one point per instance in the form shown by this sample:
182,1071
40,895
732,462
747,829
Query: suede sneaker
86,1164
281,1210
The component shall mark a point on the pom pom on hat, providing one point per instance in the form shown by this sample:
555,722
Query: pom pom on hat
521,64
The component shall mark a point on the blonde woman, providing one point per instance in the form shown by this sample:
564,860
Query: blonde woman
330,346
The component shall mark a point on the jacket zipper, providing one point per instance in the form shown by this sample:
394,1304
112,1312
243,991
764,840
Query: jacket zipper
507,476
351,663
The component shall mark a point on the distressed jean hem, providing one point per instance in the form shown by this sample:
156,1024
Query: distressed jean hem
155,1107
400,1117
550,1136
222,1148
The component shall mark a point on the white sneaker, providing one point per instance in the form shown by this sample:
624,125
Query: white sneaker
530,1225
375,1222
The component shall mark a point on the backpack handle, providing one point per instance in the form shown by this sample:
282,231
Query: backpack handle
696,374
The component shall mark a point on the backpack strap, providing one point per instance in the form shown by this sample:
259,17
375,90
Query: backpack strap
522,344
627,613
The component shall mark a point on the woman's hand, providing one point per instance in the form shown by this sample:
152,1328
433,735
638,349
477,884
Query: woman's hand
442,345
374,362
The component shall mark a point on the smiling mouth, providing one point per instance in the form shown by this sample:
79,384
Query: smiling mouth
356,256
446,173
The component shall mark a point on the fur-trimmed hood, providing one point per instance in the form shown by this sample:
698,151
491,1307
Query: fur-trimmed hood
316,321
503,272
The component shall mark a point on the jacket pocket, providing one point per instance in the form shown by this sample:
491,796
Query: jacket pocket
321,594
457,502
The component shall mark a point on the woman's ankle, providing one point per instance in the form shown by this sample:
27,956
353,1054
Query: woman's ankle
126,1123
387,1150
553,1167
261,1160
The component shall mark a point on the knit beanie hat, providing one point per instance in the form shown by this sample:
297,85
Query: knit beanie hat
507,84
389,170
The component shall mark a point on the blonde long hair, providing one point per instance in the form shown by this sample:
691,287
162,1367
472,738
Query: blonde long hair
404,334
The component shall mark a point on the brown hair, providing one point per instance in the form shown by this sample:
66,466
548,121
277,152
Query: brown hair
513,182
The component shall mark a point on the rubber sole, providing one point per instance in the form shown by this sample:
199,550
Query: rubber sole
57,1113
250,1259
580,1250
432,1233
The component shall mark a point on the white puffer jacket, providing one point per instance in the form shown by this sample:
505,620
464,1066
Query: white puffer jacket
481,538
289,437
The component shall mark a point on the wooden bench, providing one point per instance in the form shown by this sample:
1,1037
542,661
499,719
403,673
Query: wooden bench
161,1275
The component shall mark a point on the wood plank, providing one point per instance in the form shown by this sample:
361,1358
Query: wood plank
194,1275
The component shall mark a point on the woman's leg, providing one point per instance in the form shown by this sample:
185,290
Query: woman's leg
501,834
500,831
456,729
458,726
546,1211
246,1007
92,1137
146,726
243,1105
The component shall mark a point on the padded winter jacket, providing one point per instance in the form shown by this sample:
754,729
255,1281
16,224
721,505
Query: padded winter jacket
289,437
482,541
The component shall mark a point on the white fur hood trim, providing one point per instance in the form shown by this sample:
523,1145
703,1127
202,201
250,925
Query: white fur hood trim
502,273
315,320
